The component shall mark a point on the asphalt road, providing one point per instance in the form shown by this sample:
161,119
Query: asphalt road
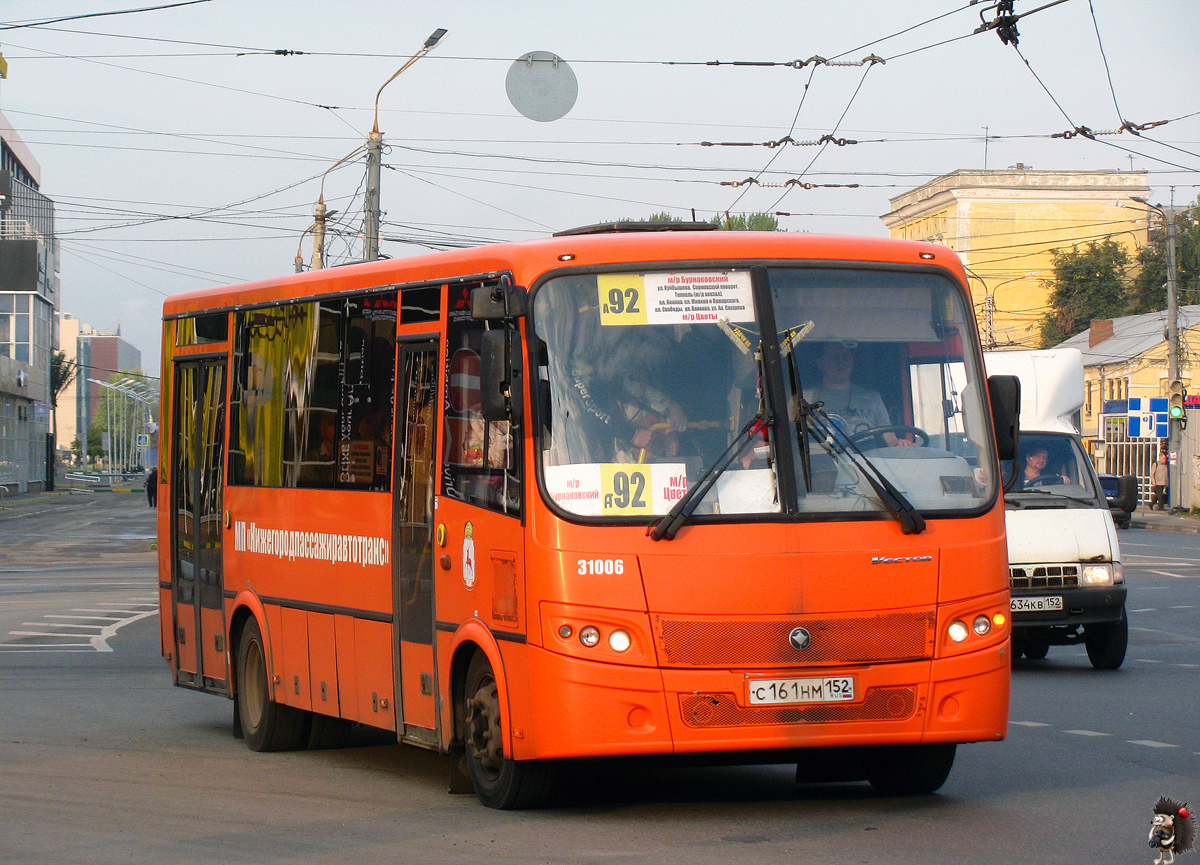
103,761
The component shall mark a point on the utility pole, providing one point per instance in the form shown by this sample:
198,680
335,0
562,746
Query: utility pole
989,309
318,253
1175,430
371,197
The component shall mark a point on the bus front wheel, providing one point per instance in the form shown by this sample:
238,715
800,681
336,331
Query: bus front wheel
500,782
266,725
909,770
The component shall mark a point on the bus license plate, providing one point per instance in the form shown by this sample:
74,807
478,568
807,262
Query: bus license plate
1036,605
830,689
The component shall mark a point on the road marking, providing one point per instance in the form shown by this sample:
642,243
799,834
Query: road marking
1030,724
1170,574
1145,610
98,630
1183,607
1147,661
1086,733
1188,666
1150,743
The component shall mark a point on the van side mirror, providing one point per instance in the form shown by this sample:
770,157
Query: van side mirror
1127,493
1004,394
500,375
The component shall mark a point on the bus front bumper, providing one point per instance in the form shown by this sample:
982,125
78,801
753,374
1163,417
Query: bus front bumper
583,709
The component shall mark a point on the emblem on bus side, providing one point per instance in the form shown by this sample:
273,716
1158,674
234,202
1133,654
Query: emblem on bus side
800,639
897,560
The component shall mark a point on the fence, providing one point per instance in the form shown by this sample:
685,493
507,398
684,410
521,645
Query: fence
1136,456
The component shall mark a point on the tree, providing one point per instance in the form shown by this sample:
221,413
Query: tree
662,216
1149,289
1089,282
746,222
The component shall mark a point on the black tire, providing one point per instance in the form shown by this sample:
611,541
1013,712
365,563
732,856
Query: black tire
500,782
909,770
266,725
326,732
1036,649
1106,644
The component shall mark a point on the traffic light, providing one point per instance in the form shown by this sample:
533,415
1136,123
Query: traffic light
1175,396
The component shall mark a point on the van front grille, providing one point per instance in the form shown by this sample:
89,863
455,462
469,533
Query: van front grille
1065,576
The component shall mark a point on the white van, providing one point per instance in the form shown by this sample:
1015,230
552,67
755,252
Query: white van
1063,556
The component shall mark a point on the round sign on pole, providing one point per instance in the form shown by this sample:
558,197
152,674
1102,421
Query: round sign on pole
541,86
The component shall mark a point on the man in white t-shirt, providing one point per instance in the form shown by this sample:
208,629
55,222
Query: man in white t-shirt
859,408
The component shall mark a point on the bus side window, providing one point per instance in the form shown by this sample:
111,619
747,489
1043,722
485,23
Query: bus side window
313,387
481,458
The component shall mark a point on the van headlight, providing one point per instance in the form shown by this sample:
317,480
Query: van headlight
1099,575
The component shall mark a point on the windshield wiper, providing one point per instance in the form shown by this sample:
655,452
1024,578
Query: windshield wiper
670,524
1050,492
802,410
911,520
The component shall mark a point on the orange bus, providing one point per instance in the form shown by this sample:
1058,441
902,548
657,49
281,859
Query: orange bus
621,491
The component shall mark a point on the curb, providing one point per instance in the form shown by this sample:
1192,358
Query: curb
1180,528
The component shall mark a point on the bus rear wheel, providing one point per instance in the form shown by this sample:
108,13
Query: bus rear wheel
500,782
266,725
909,770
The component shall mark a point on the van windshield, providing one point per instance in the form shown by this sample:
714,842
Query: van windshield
649,378
1054,464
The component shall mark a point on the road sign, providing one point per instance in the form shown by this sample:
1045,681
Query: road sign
143,440
1148,417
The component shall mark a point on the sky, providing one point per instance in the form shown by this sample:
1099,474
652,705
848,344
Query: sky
182,151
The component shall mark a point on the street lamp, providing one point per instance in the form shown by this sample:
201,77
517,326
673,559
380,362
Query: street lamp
375,156
989,306
374,150
1176,424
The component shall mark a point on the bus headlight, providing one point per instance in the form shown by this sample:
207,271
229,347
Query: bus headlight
982,625
619,641
958,631
1098,575
589,635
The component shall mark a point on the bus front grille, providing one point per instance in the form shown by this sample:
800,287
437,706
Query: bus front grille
722,710
757,642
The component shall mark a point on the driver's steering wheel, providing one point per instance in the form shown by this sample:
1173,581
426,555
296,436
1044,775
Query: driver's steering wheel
874,437
1046,480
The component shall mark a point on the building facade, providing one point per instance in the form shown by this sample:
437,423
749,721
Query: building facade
1004,226
98,355
29,295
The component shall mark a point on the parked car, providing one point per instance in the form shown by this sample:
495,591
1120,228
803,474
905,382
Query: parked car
1120,515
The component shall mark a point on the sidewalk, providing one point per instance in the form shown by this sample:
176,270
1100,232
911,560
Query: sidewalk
1160,521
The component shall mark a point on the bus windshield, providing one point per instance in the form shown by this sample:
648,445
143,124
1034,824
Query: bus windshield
649,378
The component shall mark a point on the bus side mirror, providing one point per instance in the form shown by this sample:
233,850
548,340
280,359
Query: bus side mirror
1004,393
502,302
1127,493
500,375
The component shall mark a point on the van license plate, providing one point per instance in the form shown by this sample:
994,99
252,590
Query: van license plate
830,689
1036,605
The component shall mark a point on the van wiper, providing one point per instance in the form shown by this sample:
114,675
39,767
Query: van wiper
1051,492
911,520
669,525
802,411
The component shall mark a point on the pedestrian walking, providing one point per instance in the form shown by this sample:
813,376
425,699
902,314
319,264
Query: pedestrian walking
1158,479
152,486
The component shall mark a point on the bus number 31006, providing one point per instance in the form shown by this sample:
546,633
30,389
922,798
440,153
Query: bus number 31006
601,566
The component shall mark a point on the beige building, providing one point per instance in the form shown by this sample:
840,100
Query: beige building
1004,224
1127,357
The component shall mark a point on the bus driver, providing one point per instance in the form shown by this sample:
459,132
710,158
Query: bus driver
860,408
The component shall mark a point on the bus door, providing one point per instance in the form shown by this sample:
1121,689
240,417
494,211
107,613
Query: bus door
413,562
197,602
